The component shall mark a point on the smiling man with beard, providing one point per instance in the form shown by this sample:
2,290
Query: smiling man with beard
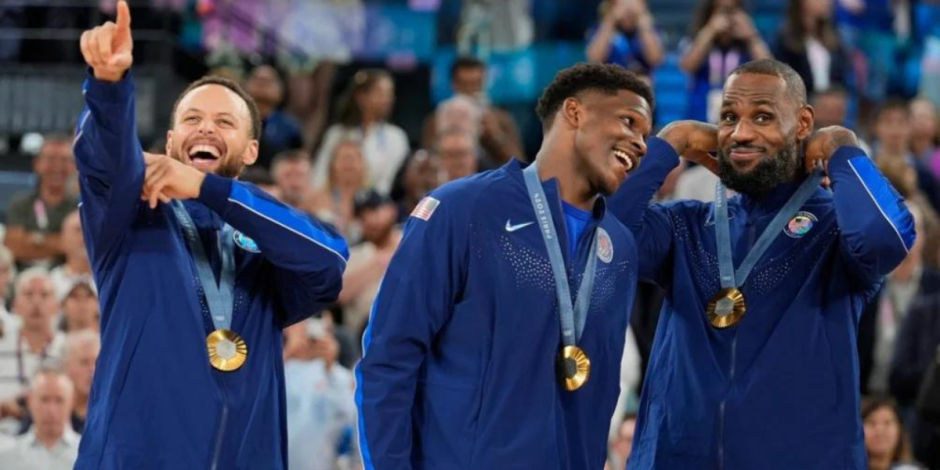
754,363
198,273
496,337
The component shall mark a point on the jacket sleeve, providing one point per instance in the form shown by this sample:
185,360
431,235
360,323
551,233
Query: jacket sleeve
309,257
109,160
651,224
876,229
416,298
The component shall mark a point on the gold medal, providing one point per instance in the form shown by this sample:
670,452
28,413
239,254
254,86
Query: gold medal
726,308
227,350
574,367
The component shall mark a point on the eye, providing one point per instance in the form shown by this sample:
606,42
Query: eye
226,123
728,118
628,121
191,120
763,118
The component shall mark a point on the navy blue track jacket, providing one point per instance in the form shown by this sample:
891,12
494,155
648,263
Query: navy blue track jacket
779,390
459,365
156,402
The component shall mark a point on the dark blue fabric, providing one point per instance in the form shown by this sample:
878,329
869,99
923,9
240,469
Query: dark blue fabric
779,390
156,403
576,220
459,357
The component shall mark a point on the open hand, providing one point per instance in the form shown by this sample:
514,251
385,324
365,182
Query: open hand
168,179
693,140
107,49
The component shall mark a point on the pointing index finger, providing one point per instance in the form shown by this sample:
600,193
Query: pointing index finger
123,17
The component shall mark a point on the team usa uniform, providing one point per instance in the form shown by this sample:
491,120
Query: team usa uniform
778,388
156,401
460,364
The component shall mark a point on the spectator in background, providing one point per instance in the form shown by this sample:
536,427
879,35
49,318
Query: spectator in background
495,128
723,37
321,412
892,130
34,220
7,274
291,173
261,178
79,357
622,443
80,308
831,106
887,443
809,42
76,268
886,312
916,348
363,116
626,37
51,444
347,175
369,260
279,131
924,134
458,152
23,350
422,173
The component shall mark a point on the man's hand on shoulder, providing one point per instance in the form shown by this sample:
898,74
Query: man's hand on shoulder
167,179
108,49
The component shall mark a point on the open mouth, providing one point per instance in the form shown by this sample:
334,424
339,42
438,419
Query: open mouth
627,159
204,153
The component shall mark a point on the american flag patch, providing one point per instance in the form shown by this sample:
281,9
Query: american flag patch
425,208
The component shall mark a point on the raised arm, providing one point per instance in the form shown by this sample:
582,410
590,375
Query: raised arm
415,300
651,224
309,257
107,150
875,228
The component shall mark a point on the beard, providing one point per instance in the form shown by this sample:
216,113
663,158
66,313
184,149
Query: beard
228,167
765,176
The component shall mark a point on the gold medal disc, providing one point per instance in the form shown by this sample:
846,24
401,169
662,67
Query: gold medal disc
726,308
227,350
574,367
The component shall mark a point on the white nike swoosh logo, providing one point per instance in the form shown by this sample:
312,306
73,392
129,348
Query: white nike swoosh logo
512,228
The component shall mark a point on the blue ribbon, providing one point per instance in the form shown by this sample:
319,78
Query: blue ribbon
572,318
219,296
735,279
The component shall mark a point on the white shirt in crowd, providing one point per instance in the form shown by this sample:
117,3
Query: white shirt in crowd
18,363
384,149
63,281
321,416
27,453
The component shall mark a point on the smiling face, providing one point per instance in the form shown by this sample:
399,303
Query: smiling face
610,135
212,131
759,133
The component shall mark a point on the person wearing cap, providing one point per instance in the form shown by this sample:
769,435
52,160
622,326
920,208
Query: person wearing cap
368,261
76,267
80,308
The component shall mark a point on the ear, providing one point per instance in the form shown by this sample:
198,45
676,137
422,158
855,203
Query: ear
251,153
573,112
169,141
805,122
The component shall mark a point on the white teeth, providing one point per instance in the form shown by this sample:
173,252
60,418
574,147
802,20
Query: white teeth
628,162
211,150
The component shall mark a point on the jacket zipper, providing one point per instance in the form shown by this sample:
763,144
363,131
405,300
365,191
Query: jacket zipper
220,434
721,406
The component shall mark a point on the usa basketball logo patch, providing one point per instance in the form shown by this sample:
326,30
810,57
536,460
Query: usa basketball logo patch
425,209
245,243
605,248
800,224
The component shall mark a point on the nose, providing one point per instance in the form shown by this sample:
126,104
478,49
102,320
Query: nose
206,126
743,132
639,143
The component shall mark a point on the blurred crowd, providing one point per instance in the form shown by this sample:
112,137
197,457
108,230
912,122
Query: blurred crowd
344,161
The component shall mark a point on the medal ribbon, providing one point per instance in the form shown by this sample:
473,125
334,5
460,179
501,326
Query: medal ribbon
735,279
219,296
572,318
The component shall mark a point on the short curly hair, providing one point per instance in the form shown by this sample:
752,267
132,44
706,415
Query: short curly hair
605,78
